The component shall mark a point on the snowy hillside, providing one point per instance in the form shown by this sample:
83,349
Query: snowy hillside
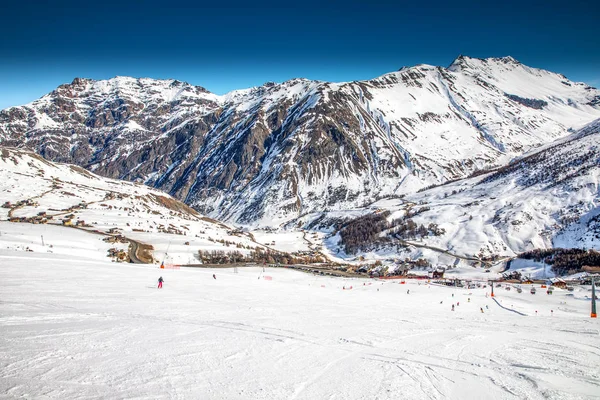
548,198
270,154
40,192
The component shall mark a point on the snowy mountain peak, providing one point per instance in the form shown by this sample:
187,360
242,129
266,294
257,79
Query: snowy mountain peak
131,88
462,62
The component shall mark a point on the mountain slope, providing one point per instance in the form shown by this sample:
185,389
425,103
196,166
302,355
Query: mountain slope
549,198
272,153
31,185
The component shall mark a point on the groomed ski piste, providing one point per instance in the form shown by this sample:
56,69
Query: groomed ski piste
75,325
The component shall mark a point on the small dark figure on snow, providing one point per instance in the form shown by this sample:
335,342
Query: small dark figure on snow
452,307
160,282
408,291
214,276
481,309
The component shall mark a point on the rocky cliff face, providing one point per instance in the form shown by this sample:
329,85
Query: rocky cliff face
271,153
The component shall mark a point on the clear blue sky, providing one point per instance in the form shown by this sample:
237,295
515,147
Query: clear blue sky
230,45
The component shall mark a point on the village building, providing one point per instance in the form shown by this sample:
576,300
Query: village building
437,273
558,283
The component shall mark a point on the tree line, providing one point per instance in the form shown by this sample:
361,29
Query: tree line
564,261
365,232
259,256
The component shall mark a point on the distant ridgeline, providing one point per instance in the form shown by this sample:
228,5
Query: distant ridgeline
565,261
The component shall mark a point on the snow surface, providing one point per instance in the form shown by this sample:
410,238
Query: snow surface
287,241
532,269
75,328
49,239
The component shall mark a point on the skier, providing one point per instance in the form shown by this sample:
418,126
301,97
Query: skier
452,294
481,309
160,282
458,303
452,307
408,291
469,300
214,276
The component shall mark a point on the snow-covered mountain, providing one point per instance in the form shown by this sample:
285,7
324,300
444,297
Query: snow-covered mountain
545,199
273,153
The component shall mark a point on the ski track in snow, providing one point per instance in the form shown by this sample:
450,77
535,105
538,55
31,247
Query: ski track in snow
103,330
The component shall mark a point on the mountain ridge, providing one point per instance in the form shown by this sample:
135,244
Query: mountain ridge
267,154
456,61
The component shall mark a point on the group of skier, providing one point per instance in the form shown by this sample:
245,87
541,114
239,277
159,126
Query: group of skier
161,280
468,301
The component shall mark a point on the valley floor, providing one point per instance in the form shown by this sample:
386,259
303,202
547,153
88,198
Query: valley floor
87,328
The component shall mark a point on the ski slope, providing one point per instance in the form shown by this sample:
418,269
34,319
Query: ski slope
56,240
88,328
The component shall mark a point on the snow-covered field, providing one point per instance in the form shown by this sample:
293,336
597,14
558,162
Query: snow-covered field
88,328
49,239
290,241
